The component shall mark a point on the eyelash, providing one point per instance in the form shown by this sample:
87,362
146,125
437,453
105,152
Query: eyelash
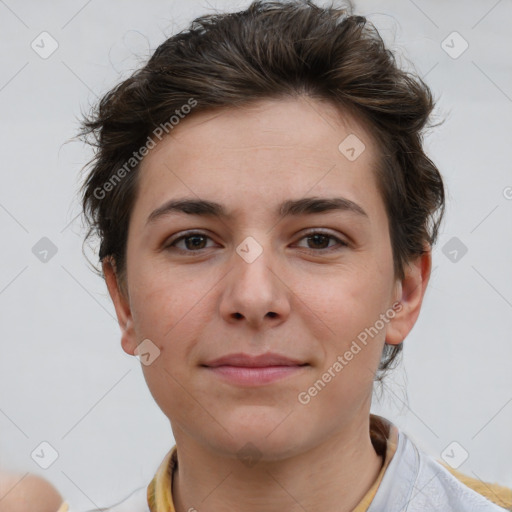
191,234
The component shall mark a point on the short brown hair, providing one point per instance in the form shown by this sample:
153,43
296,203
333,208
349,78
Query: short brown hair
271,50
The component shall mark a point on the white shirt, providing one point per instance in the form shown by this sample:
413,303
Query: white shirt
415,482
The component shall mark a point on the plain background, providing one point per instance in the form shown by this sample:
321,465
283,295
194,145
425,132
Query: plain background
64,378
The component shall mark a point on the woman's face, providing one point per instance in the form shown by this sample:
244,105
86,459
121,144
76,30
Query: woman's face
273,273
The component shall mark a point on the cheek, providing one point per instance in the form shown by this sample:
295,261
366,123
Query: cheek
161,302
348,301
352,349
171,391
173,311
171,315
350,306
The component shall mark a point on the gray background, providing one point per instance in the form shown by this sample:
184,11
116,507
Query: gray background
64,378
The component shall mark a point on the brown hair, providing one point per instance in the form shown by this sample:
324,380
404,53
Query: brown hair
270,50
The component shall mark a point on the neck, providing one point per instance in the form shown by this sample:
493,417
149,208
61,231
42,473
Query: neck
333,476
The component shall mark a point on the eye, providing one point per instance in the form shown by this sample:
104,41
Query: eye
196,241
321,239
192,242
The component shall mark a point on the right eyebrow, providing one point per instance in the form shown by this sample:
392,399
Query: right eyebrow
312,205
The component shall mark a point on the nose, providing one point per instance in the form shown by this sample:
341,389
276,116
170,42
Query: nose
255,293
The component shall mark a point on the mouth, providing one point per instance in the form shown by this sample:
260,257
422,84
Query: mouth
247,370
254,375
254,361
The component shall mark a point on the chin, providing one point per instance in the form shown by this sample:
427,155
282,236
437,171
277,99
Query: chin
266,431
250,450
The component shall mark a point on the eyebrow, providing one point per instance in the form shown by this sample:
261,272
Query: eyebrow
296,207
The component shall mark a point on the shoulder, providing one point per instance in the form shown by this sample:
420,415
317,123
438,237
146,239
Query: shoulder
416,482
27,492
494,492
436,488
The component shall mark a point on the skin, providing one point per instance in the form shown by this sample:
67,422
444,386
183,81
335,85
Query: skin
302,297
20,493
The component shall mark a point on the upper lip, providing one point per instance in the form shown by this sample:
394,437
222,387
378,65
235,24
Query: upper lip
263,360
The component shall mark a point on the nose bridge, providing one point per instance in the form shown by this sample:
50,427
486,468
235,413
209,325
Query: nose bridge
254,291
253,263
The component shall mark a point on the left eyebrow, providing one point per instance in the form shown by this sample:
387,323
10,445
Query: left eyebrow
296,207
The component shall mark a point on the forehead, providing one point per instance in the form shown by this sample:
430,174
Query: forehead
300,122
265,149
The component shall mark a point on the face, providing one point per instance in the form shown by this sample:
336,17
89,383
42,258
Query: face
276,272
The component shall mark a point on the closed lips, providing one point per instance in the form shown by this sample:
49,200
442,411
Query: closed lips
249,361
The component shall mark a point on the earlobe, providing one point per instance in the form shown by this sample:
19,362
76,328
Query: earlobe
121,305
412,290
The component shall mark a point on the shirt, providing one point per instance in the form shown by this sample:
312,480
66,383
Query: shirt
409,481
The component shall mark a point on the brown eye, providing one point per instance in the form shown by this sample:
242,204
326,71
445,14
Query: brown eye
190,242
320,240
195,242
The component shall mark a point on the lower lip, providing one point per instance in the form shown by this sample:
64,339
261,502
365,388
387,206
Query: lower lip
244,375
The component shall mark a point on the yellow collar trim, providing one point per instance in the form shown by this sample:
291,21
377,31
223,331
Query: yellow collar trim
160,488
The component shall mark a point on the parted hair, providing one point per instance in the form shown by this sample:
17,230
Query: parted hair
271,50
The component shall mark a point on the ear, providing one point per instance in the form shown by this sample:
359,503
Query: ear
410,293
122,305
